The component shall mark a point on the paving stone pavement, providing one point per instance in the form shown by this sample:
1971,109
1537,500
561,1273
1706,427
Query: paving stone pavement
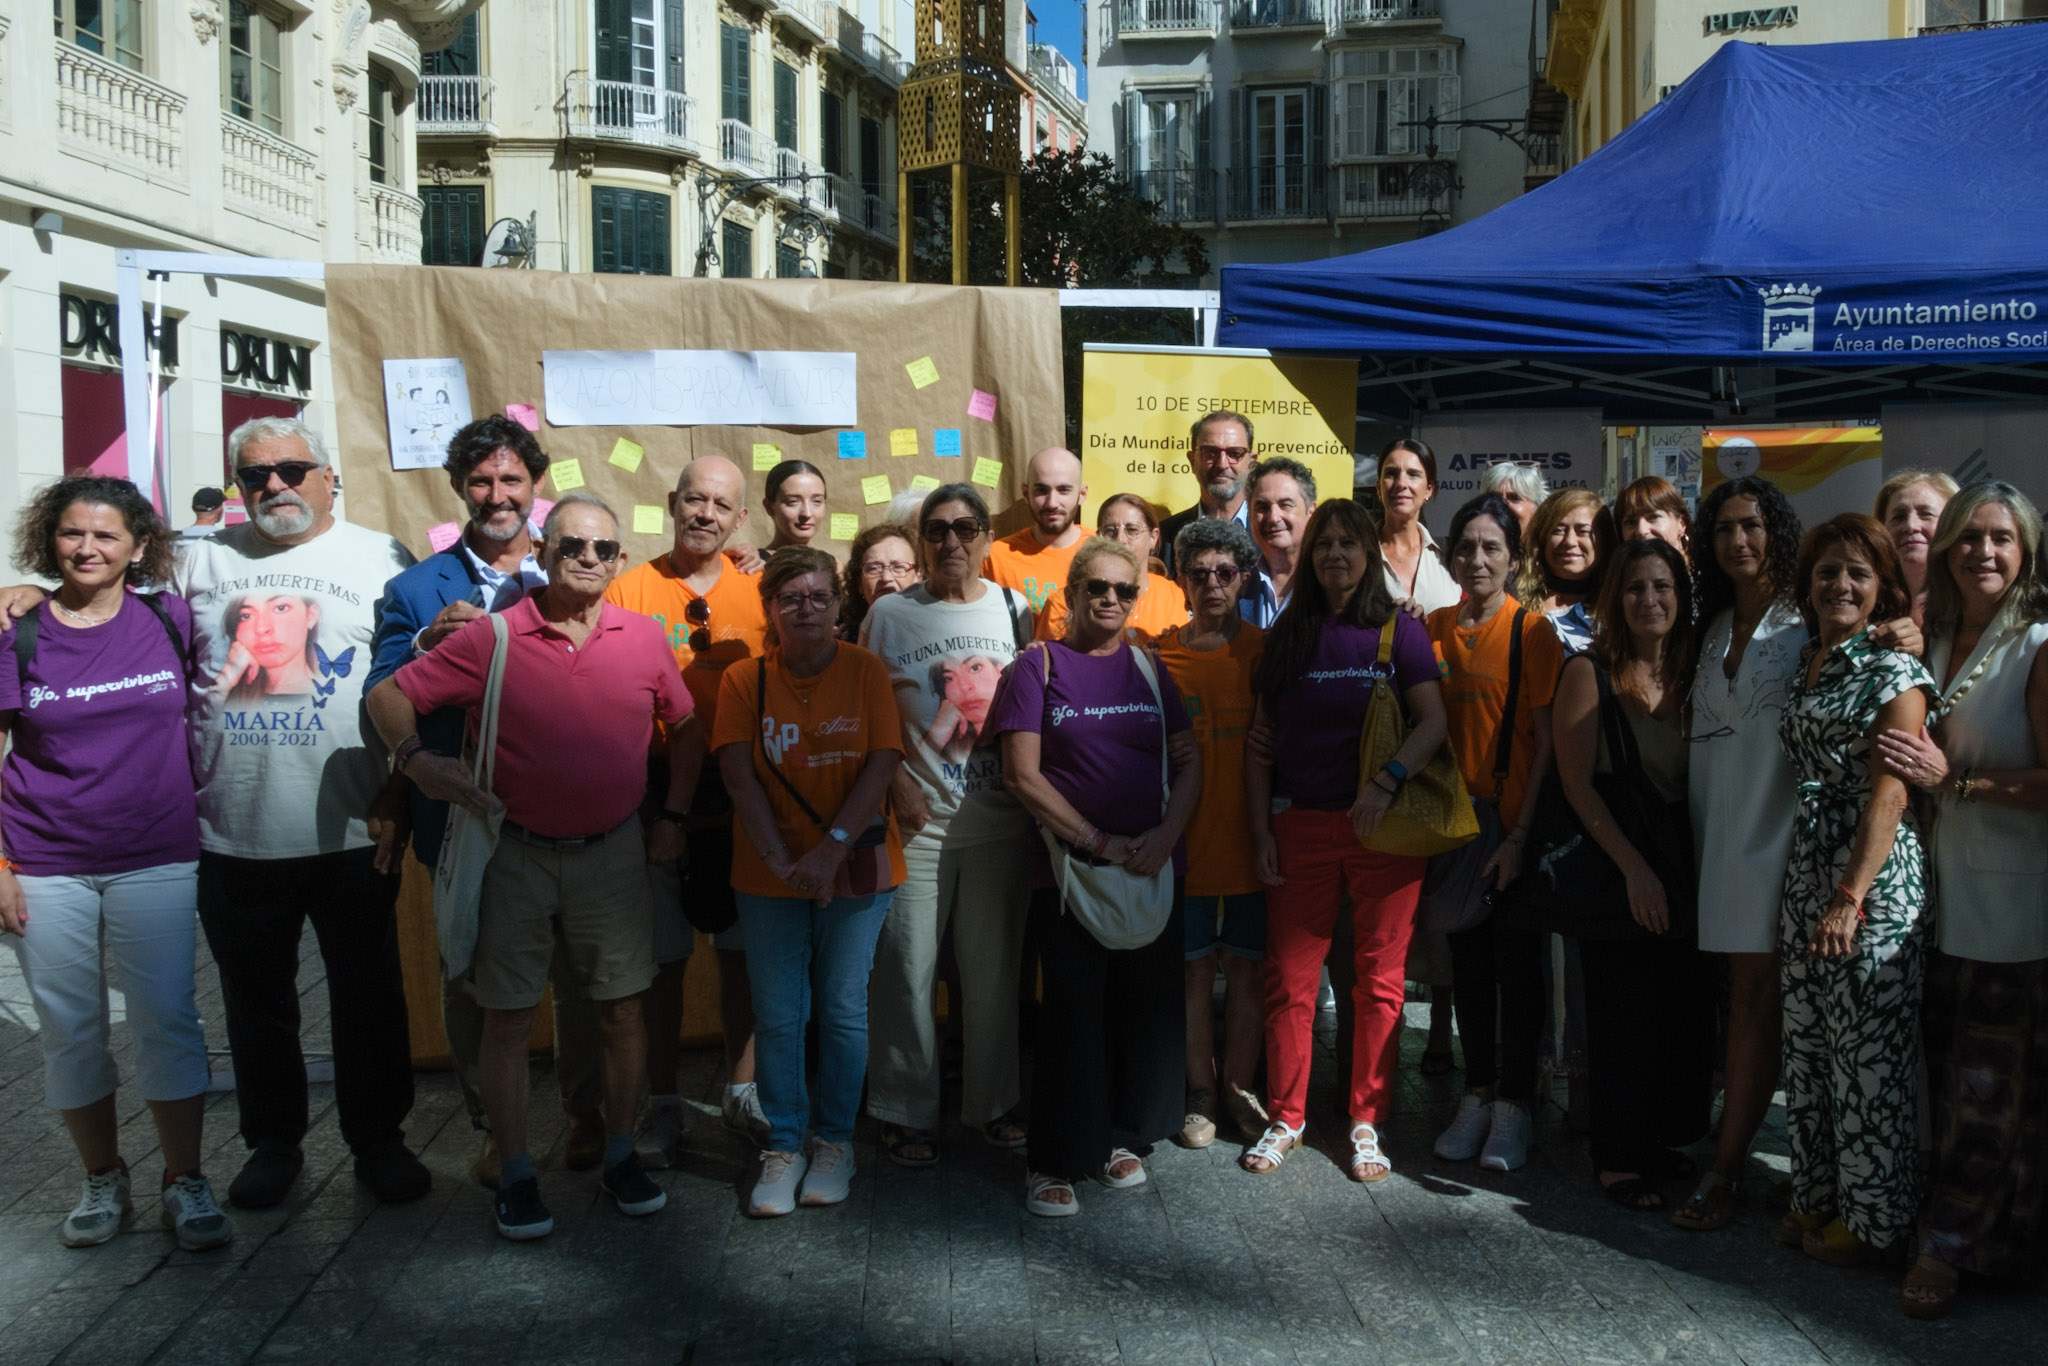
1202,1264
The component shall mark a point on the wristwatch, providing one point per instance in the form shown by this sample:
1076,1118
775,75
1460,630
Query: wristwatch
679,817
838,836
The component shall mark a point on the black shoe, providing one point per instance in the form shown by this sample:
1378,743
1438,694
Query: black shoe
392,1173
266,1177
521,1216
634,1190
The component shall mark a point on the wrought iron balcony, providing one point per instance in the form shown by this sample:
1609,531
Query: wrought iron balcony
1166,18
455,105
1386,189
1183,196
743,149
1367,13
620,111
883,60
1279,191
1250,16
814,15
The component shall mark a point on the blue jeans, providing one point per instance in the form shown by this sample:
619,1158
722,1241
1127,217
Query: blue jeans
794,948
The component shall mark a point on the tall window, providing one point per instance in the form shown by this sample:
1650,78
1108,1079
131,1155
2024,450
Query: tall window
871,157
1165,145
383,118
785,105
640,42
832,132
630,231
789,263
736,252
111,28
253,80
453,228
1382,92
735,72
459,58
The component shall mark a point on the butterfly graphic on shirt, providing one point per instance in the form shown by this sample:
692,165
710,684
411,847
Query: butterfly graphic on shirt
332,669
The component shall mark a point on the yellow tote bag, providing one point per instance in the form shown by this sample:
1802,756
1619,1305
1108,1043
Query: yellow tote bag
1433,812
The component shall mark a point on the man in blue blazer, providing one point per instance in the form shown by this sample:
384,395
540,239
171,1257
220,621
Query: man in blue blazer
495,466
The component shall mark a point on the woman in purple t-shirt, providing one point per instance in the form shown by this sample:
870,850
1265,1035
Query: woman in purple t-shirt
1310,807
102,839
1082,732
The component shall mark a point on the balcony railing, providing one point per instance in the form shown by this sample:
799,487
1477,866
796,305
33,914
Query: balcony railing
740,147
107,110
1351,12
1253,15
882,59
878,216
1163,18
388,223
815,15
266,176
625,112
1278,191
1381,190
1182,196
801,176
455,104
1977,25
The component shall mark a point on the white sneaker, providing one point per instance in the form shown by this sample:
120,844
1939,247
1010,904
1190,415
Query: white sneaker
102,1205
744,1116
661,1133
830,1174
775,1189
191,1213
1507,1142
1462,1141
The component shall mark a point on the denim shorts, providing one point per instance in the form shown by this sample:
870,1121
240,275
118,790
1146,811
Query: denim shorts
1243,925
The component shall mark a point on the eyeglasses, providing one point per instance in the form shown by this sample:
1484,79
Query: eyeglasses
966,528
1223,452
1126,593
875,569
698,613
572,548
1224,574
256,478
817,601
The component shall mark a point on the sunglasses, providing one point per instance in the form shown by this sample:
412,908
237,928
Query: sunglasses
967,528
1223,452
572,548
698,614
818,601
1126,593
292,473
1223,574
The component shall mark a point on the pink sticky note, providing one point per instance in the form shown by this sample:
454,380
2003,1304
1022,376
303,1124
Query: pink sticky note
541,508
524,415
442,536
982,405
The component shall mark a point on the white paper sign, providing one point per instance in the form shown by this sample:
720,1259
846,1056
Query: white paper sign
425,401
694,388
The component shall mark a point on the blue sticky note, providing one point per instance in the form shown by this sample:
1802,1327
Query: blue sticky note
946,441
853,445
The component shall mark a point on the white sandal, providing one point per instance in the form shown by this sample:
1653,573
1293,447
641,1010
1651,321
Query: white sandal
1272,1148
1136,1177
1365,1152
1036,1187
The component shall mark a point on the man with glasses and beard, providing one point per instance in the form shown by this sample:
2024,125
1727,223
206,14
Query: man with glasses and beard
495,467
1220,452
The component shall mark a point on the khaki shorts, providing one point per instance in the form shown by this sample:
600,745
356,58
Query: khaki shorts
593,902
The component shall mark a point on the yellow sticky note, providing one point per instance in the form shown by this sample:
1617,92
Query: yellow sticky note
647,519
845,525
923,483
923,373
875,489
903,441
566,475
988,473
766,457
627,454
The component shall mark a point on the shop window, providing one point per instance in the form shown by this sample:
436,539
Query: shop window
629,229
110,28
252,67
453,226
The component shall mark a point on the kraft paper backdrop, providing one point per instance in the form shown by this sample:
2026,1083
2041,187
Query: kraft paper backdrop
1005,342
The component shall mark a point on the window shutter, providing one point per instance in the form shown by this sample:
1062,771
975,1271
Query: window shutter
736,86
1400,101
1203,115
604,213
653,234
1130,140
614,40
672,43
871,158
1447,100
832,133
1318,131
785,104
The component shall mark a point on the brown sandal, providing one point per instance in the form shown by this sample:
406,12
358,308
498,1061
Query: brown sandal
1930,1290
1709,1208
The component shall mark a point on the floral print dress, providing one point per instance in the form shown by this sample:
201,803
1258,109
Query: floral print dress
1850,1023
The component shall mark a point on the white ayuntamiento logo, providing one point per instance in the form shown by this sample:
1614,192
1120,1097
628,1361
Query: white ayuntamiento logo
1788,316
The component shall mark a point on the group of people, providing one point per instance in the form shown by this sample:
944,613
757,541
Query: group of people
1078,773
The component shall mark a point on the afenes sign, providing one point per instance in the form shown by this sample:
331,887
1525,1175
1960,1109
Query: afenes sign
1838,318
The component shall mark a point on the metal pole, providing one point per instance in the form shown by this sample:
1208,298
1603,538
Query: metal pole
959,222
134,369
903,224
1013,231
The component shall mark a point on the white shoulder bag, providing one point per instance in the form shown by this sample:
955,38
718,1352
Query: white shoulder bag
1119,908
471,839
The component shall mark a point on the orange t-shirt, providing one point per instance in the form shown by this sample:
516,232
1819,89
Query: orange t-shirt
738,626
819,745
1037,571
1476,693
1161,608
1216,685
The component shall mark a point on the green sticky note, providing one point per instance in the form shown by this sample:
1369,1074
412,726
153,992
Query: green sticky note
627,455
875,489
923,373
766,457
567,474
988,473
647,519
923,483
903,441
845,526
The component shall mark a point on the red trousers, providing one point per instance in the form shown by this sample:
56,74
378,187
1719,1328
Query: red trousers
1322,860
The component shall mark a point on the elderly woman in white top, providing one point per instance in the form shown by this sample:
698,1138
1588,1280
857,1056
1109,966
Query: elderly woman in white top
1986,1017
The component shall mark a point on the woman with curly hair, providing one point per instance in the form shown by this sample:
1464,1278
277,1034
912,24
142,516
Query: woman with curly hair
101,876
883,560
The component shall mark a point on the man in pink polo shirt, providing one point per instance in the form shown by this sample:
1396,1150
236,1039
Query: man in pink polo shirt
584,683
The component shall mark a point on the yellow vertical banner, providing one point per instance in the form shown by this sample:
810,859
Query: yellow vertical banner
1137,404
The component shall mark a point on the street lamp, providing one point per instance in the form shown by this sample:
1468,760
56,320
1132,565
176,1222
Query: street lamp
803,228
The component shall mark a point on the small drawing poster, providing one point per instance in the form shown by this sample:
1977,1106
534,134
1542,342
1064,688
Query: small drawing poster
425,402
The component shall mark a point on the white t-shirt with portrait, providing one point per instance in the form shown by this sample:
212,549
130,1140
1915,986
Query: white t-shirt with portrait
278,749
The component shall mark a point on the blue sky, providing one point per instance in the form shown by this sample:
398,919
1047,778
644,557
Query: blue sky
1059,23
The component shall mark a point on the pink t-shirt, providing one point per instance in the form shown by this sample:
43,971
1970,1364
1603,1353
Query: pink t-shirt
1316,723
573,723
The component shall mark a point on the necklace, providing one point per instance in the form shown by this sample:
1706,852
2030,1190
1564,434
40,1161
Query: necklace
80,616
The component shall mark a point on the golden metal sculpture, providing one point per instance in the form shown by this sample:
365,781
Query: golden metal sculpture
959,111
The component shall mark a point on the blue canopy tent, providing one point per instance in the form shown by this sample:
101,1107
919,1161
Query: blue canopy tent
1793,232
